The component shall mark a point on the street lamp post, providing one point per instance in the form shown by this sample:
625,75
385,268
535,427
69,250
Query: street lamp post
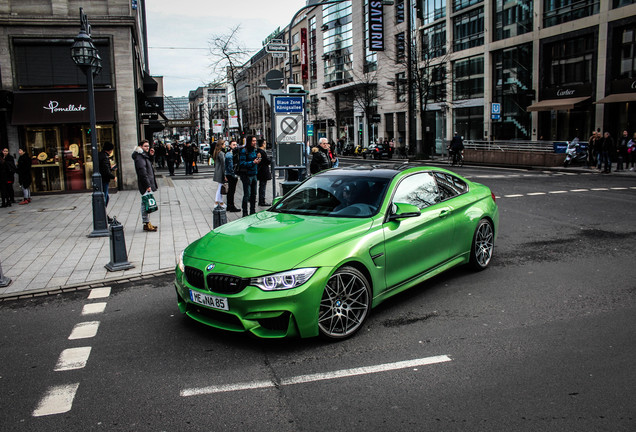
85,55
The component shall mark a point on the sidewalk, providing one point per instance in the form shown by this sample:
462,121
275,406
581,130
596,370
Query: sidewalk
44,247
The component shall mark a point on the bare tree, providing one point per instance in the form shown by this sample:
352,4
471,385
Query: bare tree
228,55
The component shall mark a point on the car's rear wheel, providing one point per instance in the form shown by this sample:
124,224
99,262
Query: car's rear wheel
345,304
483,245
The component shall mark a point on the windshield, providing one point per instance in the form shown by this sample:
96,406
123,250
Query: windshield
336,196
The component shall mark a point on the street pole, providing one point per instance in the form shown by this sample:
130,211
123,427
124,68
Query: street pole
85,55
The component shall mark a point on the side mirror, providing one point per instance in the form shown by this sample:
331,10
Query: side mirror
403,211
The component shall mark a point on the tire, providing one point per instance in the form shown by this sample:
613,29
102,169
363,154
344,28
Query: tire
483,245
345,304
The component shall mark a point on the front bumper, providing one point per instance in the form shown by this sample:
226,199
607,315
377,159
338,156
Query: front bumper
266,314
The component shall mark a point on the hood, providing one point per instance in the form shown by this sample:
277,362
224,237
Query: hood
273,242
138,152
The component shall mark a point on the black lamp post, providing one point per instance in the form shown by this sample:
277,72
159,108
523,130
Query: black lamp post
85,55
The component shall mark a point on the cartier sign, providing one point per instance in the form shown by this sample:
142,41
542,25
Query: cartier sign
565,92
35,108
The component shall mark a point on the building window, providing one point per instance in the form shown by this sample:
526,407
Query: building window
468,78
313,61
624,55
337,43
512,18
469,122
512,87
431,10
400,87
434,41
400,47
570,61
621,3
468,30
434,83
561,11
463,4
399,11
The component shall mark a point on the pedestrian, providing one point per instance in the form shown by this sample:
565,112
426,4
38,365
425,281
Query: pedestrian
195,158
248,169
631,152
320,160
106,170
7,176
177,152
146,181
24,175
231,160
171,158
592,144
607,151
264,172
188,157
219,171
333,156
621,151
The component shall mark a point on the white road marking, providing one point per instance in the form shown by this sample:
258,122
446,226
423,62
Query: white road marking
618,188
536,193
599,189
94,308
579,190
84,330
558,192
513,196
301,379
99,293
72,358
57,400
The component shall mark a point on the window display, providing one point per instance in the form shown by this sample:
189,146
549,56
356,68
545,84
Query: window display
43,146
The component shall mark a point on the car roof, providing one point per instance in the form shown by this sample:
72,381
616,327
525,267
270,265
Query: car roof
365,170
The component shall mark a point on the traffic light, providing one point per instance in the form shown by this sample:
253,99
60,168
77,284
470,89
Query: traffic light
295,88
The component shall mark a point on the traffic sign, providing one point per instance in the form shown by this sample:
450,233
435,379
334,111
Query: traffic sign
290,128
273,47
310,129
274,79
496,108
288,104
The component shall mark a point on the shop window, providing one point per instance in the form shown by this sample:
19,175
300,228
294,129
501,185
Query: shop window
469,122
44,147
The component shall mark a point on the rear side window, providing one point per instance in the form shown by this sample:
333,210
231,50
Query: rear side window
449,185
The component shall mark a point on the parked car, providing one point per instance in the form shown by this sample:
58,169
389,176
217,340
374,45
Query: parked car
204,152
334,247
378,151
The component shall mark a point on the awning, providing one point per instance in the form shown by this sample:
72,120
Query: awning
619,97
556,104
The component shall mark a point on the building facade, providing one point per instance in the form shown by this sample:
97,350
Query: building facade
488,69
45,109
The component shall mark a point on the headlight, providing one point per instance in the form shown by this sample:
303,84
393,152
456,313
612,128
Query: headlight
284,280
180,263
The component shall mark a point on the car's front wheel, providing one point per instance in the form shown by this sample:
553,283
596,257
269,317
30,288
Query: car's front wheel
345,304
483,245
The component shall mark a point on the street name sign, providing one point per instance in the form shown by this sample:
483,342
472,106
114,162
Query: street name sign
288,104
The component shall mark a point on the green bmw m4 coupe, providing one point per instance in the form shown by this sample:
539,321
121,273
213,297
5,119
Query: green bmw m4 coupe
341,242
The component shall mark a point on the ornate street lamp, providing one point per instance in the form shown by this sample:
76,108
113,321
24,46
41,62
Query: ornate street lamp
85,55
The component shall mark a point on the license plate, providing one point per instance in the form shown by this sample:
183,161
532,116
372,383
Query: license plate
209,300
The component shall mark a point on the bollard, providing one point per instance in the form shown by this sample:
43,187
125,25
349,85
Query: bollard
4,281
118,254
219,216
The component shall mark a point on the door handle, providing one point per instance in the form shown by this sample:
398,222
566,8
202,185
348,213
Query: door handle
444,213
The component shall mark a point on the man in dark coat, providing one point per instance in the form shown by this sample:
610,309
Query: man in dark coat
105,170
7,176
188,157
320,157
145,178
608,151
24,175
171,158
264,172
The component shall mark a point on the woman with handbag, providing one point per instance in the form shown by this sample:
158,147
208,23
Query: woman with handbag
145,180
219,171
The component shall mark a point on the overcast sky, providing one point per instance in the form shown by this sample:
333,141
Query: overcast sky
179,31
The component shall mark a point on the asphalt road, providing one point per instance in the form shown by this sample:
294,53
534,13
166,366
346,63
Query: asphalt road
543,340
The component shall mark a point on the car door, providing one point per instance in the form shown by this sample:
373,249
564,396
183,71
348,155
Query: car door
415,245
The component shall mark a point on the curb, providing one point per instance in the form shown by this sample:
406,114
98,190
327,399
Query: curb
81,286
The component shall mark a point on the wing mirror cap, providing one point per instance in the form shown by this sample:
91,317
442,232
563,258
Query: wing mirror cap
403,211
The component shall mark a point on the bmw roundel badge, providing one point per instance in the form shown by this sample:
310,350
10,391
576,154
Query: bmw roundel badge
210,267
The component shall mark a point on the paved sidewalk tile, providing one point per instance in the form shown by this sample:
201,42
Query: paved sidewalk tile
45,245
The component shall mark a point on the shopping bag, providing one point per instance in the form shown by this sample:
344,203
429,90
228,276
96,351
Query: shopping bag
149,202
224,187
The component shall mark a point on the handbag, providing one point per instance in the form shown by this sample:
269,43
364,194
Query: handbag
149,202
224,188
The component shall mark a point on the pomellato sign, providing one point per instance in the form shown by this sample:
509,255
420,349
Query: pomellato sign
54,106
61,107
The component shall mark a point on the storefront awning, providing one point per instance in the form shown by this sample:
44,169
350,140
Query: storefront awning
619,97
556,104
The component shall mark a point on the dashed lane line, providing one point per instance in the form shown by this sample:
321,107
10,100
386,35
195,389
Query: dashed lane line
565,191
301,379
99,293
72,358
84,330
94,308
57,400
